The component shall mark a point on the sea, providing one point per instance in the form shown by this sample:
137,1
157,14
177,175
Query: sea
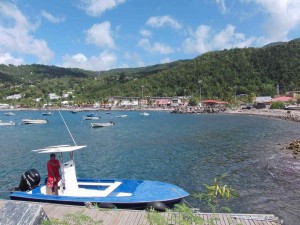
186,150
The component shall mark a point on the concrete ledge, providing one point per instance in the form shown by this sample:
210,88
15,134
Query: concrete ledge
21,213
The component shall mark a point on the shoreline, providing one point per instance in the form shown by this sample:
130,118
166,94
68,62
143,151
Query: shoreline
289,115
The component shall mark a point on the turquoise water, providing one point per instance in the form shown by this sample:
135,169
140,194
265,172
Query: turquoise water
187,150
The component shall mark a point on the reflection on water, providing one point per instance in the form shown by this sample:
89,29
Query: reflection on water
187,150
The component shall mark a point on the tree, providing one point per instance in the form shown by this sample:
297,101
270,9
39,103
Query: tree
193,101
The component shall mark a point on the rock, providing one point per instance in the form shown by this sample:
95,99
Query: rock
22,213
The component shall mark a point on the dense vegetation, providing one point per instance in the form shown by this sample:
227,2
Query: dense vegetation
223,74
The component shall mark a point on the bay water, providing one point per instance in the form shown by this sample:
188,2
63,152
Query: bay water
186,150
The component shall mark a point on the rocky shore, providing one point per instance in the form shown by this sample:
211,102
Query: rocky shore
294,146
273,113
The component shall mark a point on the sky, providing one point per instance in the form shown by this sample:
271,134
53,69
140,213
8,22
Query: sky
106,34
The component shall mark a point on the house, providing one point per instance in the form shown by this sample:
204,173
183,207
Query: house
283,99
263,102
213,103
15,96
4,106
53,96
176,101
293,94
123,101
162,102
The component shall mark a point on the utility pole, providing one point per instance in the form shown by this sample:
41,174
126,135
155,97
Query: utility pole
200,99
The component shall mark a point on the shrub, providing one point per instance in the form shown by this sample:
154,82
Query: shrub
277,105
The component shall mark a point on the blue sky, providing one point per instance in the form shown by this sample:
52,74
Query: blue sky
106,34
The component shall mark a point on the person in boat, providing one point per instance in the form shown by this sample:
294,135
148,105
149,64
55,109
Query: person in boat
53,166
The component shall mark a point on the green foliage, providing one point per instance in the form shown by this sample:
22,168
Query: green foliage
224,74
277,105
184,215
77,218
193,101
155,218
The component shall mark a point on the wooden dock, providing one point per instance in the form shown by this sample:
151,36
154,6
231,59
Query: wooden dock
135,217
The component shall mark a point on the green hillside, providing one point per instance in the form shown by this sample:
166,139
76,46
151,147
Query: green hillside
223,73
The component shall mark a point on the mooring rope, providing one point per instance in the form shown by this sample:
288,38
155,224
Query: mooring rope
68,128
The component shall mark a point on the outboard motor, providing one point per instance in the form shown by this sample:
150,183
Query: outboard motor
29,180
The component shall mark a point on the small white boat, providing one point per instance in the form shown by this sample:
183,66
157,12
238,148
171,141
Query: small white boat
292,107
10,114
121,116
34,121
47,114
95,125
10,123
144,114
91,117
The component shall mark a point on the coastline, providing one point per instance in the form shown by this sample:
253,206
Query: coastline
290,115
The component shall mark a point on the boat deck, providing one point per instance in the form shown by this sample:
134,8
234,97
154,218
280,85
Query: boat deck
134,217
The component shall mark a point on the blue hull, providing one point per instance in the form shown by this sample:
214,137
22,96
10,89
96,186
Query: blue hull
143,194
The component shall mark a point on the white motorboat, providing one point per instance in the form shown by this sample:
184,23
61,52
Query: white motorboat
34,121
91,116
47,114
95,125
105,192
10,114
121,116
144,114
292,107
10,123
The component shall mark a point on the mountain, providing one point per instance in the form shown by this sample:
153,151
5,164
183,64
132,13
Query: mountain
223,74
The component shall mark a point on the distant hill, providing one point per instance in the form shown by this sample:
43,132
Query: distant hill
252,71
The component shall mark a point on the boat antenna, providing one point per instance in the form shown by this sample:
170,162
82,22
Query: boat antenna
68,128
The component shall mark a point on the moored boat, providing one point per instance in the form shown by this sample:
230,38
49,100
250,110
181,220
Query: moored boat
47,114
91,116
10,123
144,114
9,114
95,125
110,193
121,116
34,121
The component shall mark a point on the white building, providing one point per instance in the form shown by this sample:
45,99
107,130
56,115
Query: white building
53,96
4,106
15,96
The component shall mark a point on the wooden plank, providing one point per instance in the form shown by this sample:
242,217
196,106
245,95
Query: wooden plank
134,217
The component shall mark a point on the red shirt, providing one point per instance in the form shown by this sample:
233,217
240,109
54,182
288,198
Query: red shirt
53,168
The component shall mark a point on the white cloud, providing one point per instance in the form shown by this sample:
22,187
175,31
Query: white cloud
135,58
7,58
165,60
162,21
16,36
204,39
145,33
100,35
283,17
222,5
156,47
52,18
104,61
97,7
